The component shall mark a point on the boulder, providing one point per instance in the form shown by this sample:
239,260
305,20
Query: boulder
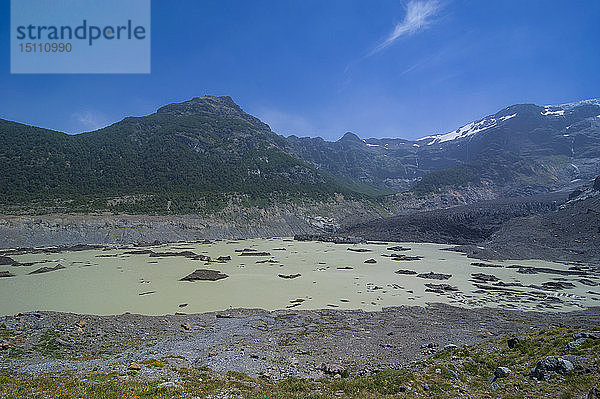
513,341
63,343
586,334
502,372
167,384
134,366
574,344
579,362
6,273
550,365
332,368
371,261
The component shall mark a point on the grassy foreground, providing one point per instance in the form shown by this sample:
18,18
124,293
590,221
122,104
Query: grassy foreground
461,372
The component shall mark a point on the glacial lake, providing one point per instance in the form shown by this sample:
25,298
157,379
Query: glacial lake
112,281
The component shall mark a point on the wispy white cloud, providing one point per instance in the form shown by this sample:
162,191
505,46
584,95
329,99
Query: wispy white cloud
88,121
419,15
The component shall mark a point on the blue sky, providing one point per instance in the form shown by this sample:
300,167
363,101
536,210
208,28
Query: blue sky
320,68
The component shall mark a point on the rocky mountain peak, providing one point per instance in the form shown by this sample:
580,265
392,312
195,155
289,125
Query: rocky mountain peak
213,106
197,105
350,137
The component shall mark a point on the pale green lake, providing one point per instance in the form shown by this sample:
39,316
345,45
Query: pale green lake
112,285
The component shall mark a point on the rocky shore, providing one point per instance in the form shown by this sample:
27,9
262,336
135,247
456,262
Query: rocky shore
280,344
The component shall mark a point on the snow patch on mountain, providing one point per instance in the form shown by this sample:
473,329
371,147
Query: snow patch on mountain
507,117
568,106
548,111
467,130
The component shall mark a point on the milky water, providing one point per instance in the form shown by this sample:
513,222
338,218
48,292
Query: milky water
111,282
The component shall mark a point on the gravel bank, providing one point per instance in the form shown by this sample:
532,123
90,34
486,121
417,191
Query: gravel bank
281,343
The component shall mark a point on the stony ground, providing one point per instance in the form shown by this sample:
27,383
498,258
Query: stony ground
272,347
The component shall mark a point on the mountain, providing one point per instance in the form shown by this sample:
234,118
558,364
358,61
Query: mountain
188,153
520,147
201,154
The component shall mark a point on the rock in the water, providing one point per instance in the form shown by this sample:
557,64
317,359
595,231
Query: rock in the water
440,288
224,258
483,264
404,271
398,248
557,285
254,253
46,269
288,276
186,254
402,257
482,277
204,275
550,365
7,260
434,276
588,282
371,261
6,273
358,249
